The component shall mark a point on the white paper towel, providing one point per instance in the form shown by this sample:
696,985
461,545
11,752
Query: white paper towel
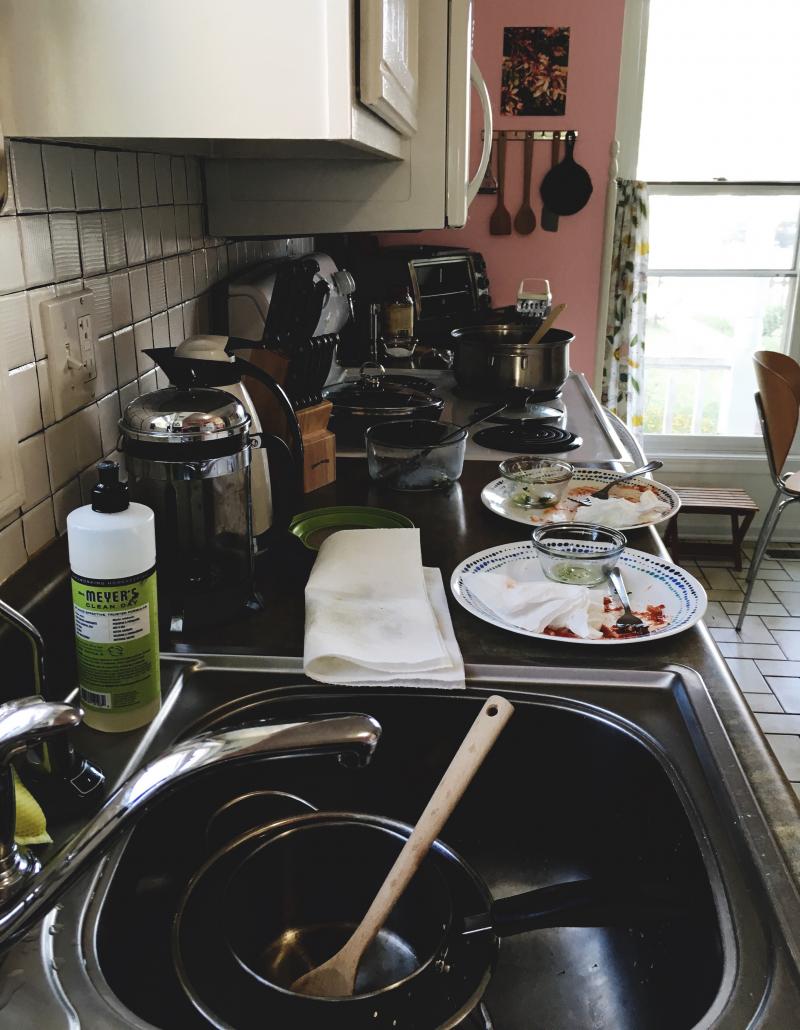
374,616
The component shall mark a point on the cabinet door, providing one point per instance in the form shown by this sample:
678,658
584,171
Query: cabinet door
389,72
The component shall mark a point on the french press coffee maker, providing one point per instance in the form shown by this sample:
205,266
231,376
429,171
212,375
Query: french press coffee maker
189,453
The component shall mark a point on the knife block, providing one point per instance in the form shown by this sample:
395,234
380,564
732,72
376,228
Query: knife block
319,446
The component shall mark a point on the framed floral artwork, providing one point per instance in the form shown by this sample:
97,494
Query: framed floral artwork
534,70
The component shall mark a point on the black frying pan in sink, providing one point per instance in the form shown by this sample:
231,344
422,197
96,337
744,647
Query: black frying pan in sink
567,187
281,899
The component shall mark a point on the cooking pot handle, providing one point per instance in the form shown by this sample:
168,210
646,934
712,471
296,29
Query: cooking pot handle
581,903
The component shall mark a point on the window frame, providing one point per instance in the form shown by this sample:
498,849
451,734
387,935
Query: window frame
628,128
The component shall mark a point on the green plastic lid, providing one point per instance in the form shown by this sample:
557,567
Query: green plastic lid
312,527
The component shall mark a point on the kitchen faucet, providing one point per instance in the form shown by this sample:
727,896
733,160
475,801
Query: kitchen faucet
28,890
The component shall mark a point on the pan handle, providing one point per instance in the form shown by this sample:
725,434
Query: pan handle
581,903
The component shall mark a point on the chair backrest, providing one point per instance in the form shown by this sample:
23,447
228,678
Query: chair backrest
778,378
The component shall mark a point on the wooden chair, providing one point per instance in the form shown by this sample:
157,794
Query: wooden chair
778,403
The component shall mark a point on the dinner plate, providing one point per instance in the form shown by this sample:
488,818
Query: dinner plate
496,499
649,580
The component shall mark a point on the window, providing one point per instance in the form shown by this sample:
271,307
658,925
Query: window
721,91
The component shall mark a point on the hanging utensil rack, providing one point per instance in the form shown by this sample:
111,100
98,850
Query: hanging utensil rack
519,135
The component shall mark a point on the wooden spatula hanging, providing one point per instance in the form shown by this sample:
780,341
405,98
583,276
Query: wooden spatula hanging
500,222
525,222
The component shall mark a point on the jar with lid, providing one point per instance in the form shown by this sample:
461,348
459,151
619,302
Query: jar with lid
397,316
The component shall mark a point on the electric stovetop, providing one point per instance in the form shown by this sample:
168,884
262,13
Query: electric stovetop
576,419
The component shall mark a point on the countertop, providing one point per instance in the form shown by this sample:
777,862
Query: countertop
453,525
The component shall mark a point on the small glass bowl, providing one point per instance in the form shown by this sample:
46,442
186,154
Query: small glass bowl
535,482
408,454
578,553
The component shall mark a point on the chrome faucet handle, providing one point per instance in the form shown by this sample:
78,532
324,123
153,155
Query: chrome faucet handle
31,720
23,723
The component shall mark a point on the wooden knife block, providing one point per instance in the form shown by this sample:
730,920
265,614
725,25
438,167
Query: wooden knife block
319,446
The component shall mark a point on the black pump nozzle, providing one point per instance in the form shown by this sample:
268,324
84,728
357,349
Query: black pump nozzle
109,494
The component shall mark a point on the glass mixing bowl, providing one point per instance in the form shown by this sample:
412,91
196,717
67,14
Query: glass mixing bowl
578,552
413,454
535,482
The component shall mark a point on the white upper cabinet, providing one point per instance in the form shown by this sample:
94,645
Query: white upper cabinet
214,77
389,61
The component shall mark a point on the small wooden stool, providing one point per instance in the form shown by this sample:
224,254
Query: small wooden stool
697,500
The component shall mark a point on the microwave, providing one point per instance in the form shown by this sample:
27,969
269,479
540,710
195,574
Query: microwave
449,287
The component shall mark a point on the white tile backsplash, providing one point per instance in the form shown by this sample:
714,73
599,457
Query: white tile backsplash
16,342
24,388
108,179
37,250
28,172
84,179
12,274
66,250
164,178
125,355
140,293
39,527
57,163
134,235
128,179
33,459
121,311
114,240
125,226
90,235
65,500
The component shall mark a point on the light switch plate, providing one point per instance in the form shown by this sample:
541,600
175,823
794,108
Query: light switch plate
70,335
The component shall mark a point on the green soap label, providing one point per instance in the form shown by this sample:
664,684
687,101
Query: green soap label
116,634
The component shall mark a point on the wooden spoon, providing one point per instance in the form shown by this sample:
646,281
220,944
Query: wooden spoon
336,978
500,222
546,325
525,221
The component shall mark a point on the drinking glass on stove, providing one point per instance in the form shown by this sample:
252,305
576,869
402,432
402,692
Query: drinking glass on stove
534,301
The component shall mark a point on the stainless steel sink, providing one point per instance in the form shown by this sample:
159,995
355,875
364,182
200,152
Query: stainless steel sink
597,772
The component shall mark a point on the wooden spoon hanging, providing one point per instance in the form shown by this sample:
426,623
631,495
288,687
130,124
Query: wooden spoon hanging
500,222
525,222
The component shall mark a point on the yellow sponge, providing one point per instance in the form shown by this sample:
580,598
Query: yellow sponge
31,823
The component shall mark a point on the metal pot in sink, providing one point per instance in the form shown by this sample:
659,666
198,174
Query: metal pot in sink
280,899
497,358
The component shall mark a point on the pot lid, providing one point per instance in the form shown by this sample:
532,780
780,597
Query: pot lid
176,415
377,393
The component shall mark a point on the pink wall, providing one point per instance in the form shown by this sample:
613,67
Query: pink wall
570,258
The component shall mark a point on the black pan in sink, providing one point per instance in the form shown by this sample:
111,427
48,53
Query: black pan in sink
280,900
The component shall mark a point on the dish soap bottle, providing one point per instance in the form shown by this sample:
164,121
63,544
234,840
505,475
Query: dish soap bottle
112,557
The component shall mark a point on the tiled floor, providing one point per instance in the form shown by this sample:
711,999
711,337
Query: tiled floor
765,657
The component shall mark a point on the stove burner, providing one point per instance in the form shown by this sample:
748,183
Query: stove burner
527,439
530,413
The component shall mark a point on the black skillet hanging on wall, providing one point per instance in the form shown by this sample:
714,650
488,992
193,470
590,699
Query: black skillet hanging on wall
567,187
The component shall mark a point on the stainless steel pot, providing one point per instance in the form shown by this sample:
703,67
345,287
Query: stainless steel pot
495,358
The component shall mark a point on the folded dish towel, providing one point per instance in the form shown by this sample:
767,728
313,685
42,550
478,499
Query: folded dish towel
31,825
534,603
375,616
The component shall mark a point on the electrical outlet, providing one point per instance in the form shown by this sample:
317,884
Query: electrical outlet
70,335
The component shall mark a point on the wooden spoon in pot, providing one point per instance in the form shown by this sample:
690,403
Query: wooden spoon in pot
336,978
546,325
